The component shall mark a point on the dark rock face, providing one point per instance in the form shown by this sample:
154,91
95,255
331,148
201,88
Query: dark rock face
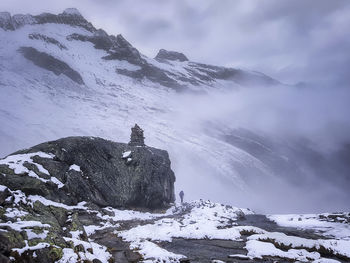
47,39
70,16
117,47
154,74
6,21
100,39
110,173
123,50
170,55
50,63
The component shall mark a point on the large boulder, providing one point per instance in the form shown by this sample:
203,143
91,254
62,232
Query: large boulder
102,172
170,55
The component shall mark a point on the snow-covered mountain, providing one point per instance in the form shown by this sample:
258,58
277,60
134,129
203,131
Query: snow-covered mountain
60,76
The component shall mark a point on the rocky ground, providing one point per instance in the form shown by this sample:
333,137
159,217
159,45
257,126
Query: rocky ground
34,229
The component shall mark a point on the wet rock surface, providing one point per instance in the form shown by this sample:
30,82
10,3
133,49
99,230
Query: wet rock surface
263,222
207,250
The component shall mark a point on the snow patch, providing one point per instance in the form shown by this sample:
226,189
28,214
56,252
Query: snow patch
153,253
91,229
340,247
258,249
76,234
33,235
46,202
75,167
98,251
126,154
14,212
20,225
27,247
15,162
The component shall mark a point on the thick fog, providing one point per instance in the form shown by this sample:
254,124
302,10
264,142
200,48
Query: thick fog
287,117
320,114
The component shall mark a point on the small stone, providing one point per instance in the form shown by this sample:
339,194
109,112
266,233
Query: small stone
79,248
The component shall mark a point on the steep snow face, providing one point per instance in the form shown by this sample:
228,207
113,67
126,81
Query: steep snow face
40,101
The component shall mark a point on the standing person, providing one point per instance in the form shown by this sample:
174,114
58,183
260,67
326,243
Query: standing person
182,194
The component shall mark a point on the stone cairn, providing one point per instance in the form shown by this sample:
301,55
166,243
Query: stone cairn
136,137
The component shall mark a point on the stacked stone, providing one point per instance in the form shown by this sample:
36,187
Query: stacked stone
136,137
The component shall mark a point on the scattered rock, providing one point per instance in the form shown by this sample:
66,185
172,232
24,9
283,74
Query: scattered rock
170,55
47,39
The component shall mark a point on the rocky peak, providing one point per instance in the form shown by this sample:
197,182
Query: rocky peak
72,12
101,33
20,20
5,21
122,43
8,22
70,16
170,55
123,50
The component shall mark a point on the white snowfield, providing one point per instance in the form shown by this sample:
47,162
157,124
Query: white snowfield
36,105
17,161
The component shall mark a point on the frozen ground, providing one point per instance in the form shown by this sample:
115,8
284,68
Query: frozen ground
199,231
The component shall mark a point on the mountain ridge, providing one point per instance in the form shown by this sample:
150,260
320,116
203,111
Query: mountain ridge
119,48
70,81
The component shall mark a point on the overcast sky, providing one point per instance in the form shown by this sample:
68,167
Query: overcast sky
299,40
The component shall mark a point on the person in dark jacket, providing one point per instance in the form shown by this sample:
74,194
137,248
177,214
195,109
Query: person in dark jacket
182,194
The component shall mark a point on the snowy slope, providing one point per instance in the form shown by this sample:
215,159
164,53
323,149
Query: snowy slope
59,76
